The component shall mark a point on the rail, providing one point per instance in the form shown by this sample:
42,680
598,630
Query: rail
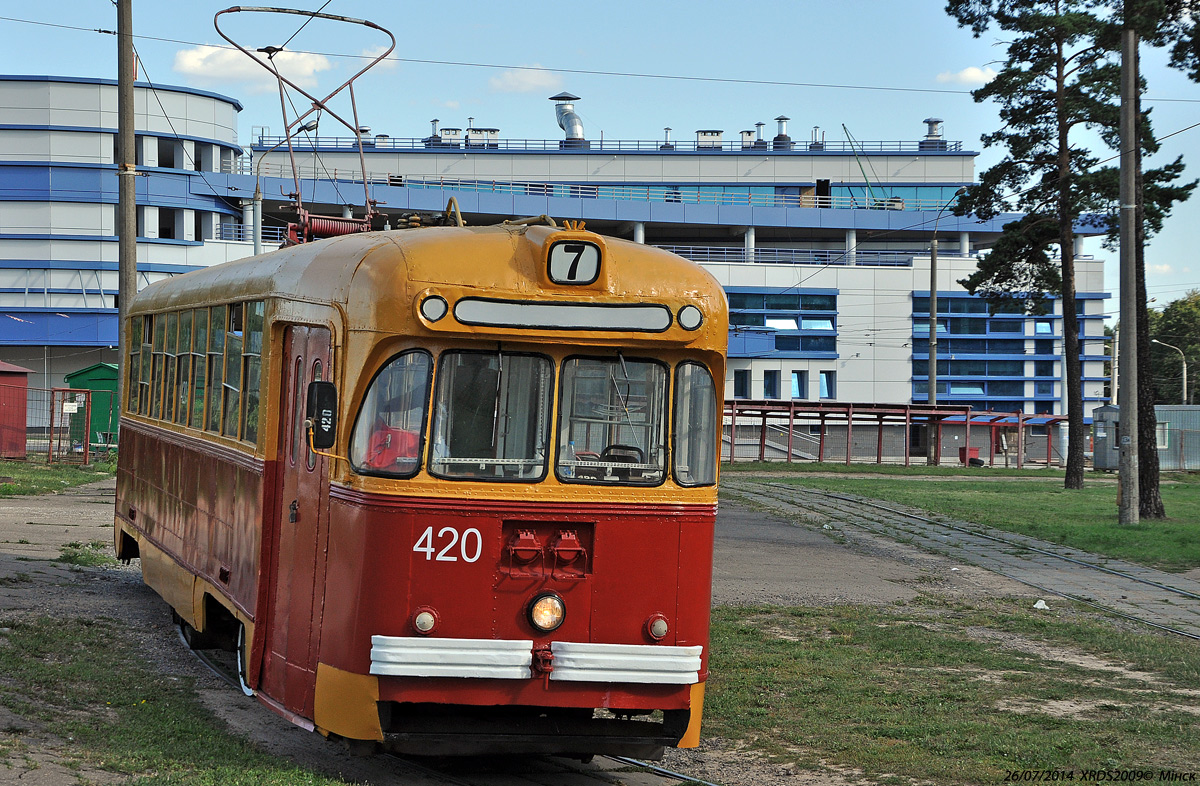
244,233
477,142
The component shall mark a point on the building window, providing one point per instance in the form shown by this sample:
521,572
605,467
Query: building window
1043,388
828,384
1043,327
741,383
784,324
800,384
1162,434
770,384
1043,368
1043,346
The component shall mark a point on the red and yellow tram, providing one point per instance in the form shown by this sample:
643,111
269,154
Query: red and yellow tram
451,489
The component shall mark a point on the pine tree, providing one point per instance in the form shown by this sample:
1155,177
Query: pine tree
1057,79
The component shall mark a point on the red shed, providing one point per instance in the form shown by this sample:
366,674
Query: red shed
14,387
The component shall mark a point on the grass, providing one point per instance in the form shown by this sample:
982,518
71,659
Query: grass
924,691
89,555
20,478
1085,518
828,467
82,680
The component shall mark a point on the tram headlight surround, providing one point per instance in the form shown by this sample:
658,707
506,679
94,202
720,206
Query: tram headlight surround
657,627
547,612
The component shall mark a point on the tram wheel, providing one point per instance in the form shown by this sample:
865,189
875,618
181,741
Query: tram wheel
194,638
243,659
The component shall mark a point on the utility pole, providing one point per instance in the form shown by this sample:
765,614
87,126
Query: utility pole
126,172
1128,468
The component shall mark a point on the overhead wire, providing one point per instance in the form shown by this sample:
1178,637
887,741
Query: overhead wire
578,71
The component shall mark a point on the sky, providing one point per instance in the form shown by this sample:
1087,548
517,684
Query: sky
873,69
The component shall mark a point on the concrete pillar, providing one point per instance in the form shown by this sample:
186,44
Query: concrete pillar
188,221
149,221
149,150
749,241
964,244
639,232
851,246
347,211
247,212
1078,245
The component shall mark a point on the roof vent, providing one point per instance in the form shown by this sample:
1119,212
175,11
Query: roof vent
782,141
933,136
568,121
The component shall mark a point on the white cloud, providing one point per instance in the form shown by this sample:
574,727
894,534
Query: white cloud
1162,269
385,65
214,65
972,75
532,79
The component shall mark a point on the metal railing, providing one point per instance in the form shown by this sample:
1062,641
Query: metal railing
244,233
687,195
56,425
673,147
794,256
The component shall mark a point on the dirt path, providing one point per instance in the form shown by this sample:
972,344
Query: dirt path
759,559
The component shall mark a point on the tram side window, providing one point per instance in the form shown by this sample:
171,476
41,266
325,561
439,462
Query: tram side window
491,416
199,347
216,367
252,370
695,459
156,372
233,370
147,354
135,364
390,427
168,399
612,422
183,362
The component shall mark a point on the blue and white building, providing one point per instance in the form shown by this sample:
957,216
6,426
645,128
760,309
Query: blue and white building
58,209
823,247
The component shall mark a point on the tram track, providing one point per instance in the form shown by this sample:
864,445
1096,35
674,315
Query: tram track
1134,592
228,675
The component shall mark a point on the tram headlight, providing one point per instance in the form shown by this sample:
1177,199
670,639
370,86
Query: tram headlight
547,612
690,318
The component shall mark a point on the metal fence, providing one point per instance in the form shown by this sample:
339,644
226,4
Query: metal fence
57,425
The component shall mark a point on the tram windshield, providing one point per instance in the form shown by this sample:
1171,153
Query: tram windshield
612,422
491,416
387,434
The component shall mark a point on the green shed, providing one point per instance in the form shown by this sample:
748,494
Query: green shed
101,379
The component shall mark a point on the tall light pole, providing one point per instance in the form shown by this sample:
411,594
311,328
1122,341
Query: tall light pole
311,125
935,450
1182,359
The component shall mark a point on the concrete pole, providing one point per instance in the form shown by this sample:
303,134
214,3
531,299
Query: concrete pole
964,244
1128,469
127,189
749,241
851,247
639,232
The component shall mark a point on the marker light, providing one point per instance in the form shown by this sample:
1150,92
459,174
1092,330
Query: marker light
434,308
657,627
425,620
547,612
690,317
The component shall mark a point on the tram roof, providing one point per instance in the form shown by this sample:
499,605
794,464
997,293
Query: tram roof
375,276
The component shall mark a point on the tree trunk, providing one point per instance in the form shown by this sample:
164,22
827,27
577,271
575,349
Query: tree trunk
1066,243
1150,503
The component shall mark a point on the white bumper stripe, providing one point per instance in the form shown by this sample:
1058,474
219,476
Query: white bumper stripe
578,662
420,657
509,659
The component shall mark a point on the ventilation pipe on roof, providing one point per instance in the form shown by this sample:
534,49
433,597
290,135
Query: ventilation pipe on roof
933,136
568,121
782,141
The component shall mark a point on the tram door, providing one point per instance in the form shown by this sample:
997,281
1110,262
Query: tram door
301,535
